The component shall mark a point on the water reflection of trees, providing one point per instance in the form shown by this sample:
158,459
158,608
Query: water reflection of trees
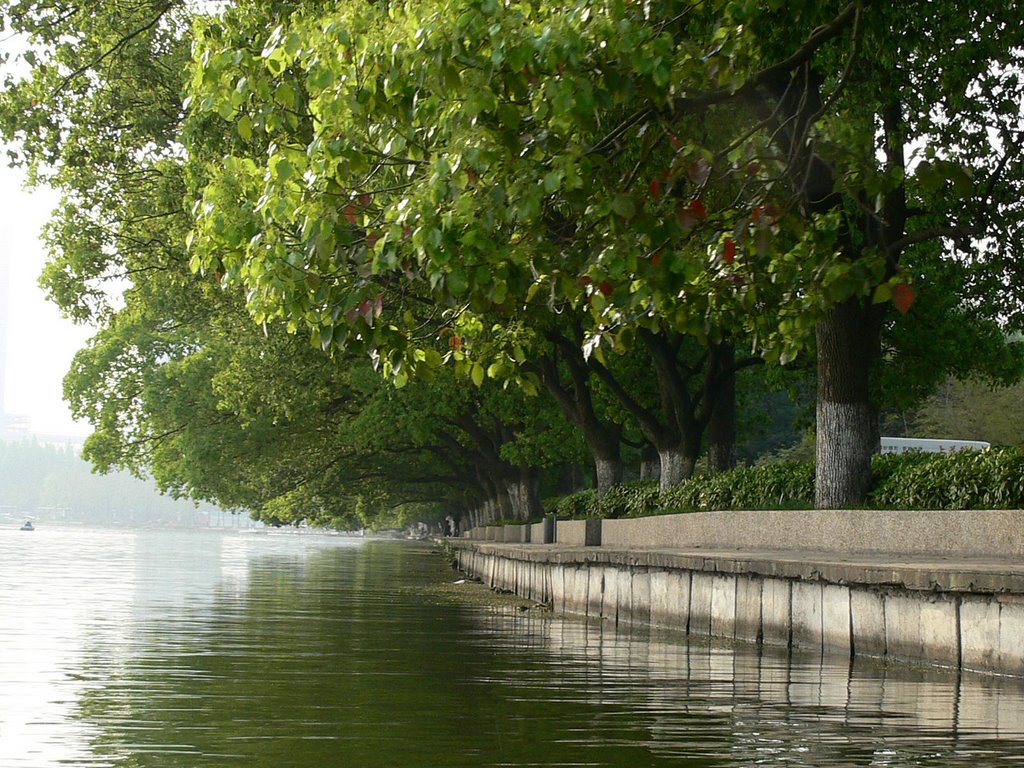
312,657
317,657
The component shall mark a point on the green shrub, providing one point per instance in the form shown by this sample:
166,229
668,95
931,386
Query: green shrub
991,479
574,506
635,499
782,485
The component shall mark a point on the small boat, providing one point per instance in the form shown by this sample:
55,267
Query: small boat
28,526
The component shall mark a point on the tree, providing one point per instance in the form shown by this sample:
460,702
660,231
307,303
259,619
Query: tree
502,154
403,180
971,410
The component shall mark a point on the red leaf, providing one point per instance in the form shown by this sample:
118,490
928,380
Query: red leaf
903,297
656,258
698,209
606,288
585,280
730,251
365,199
351,213
674,141
371,239
656,189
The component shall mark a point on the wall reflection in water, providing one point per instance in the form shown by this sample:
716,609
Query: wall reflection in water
782,707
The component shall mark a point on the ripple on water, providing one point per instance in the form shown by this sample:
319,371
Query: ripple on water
189,649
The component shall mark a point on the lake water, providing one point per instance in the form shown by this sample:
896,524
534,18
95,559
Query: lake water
181,650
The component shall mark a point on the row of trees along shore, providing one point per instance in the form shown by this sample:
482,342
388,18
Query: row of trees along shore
523,236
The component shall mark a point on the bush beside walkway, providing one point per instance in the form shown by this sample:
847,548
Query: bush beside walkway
990,479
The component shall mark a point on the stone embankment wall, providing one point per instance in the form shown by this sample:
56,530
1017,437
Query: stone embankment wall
944,588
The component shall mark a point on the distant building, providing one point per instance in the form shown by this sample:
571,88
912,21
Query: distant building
926,445
13,428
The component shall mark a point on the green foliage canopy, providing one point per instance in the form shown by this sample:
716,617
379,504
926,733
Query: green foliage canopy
642,162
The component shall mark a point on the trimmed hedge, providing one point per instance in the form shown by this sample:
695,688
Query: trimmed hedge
991,479
781,485
635,499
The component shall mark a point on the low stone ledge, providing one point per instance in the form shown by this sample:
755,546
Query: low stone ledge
578,533
966,533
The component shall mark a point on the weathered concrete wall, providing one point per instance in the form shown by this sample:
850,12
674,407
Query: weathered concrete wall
971,533
578,533
922,612
983,533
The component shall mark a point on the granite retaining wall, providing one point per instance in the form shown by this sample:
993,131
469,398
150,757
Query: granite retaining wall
966,614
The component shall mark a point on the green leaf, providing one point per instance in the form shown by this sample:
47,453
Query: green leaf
623,205
281,168
458,282
244,127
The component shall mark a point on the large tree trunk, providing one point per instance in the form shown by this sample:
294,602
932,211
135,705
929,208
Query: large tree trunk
677,465
678,458
650,465
523,492
848,344
608,472
722,427
603,440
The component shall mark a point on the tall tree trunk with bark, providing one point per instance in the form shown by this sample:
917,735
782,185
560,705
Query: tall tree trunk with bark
524,493
722,428
847,435
678,461
650,467
604,440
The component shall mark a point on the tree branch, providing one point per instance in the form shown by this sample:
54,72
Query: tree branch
688,105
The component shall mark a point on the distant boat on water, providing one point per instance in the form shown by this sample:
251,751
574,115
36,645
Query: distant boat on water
28,526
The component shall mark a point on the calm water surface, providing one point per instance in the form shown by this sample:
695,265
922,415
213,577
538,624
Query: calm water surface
166,650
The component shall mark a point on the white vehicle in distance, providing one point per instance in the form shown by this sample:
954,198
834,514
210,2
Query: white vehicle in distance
907,444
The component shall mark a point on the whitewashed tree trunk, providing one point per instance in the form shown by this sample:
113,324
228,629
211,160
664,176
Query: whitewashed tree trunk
609,473
845,442
847,423
676,466
650,468
523,495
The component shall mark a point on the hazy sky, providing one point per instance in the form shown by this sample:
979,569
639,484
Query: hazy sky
40,342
